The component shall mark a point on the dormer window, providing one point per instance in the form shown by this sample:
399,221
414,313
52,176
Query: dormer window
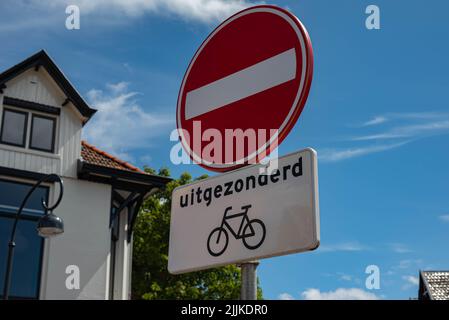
30,130
14,126
42,135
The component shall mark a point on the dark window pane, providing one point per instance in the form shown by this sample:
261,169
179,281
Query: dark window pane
25,277
14,126
42,133
12,195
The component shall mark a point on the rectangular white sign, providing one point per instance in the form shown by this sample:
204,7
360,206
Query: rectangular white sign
246,214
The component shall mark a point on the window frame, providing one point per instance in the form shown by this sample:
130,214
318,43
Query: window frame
53,134
27,217
25,130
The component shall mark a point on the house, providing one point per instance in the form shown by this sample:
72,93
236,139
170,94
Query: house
42,118
433,285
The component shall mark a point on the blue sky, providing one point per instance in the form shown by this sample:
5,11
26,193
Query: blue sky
377,114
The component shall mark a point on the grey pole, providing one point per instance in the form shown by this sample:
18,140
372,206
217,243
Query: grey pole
249,280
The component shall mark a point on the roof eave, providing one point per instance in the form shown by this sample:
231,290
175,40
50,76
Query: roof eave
41,58
120,178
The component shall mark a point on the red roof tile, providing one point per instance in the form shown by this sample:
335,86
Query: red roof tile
93,155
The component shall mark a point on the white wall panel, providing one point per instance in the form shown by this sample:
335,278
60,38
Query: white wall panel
69,141
85,243
17,159
35,86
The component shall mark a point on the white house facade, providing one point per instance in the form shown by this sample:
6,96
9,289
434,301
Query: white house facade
41,121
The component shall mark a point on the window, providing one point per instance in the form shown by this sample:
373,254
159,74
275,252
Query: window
42,133
26,272
14,126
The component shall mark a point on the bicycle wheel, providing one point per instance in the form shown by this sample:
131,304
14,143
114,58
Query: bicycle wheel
215,245
255,239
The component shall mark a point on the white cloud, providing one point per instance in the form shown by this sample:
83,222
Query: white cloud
346,277
403,127
121,125
399,248
345,246
24,24
117,88
408,263
379,119
375,120
197,10
404,264
411,280
408,125
444,217
416,115
379,136
339,294
285,296
334,155
409,131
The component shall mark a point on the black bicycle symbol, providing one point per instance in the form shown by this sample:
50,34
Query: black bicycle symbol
252,232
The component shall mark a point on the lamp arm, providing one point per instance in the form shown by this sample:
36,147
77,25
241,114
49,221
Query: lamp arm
46,178
11,243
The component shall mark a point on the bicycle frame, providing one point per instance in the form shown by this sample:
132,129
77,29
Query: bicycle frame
245,221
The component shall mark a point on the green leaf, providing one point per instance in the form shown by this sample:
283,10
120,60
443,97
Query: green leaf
150,278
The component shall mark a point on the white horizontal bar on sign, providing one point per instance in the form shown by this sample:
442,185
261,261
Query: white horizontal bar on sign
242,84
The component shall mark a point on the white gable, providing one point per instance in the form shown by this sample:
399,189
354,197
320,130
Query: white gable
39,87
35,86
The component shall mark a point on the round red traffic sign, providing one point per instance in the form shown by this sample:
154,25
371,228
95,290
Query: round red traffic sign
245,88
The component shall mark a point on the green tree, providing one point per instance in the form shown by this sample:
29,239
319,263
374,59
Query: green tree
150,278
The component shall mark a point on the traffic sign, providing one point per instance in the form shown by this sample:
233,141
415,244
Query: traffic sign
249,213
253,72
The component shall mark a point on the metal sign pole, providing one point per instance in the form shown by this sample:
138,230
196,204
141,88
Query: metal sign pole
249,280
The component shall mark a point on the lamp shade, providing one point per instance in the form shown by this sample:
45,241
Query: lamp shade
50,225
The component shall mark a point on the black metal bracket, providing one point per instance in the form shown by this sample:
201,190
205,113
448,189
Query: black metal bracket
123,204
132,215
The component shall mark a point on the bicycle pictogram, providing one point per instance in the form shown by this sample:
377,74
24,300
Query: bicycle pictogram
252,232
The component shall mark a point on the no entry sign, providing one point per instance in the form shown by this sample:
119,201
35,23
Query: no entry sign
246,85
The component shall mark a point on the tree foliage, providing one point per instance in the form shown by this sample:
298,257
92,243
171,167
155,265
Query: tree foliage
150,278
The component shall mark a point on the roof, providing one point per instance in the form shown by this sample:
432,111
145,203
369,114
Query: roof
99,166
95,156
41,58
434,285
